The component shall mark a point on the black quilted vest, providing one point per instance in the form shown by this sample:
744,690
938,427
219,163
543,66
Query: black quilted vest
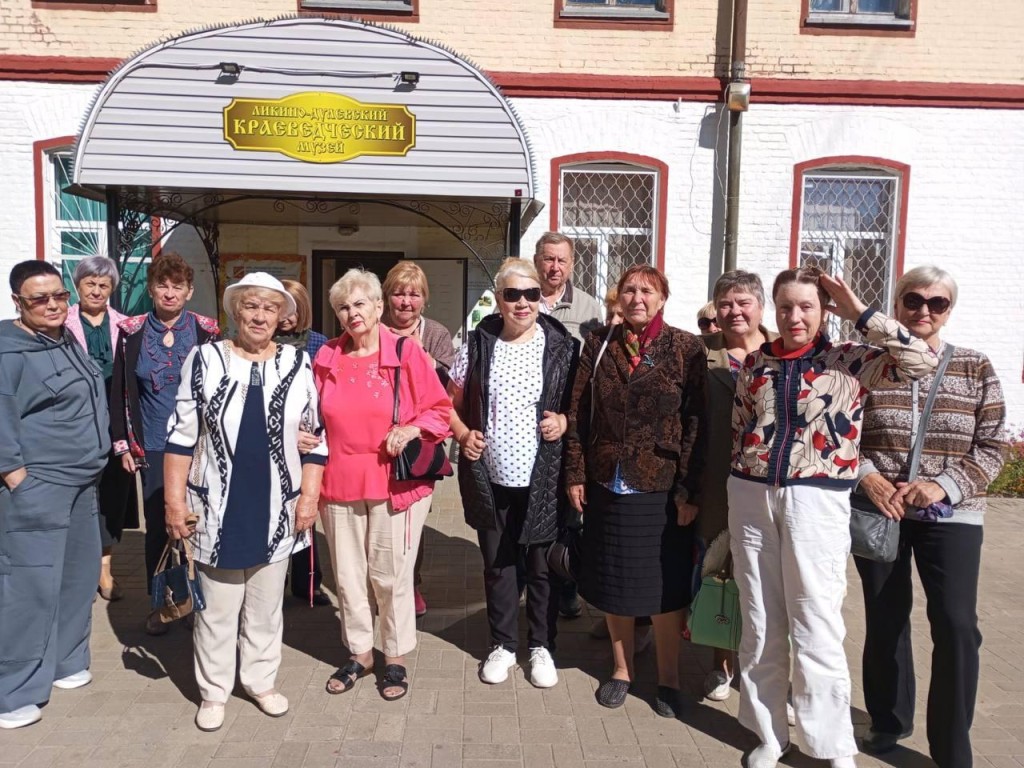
547,504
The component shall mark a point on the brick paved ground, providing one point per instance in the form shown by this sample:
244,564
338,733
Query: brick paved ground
138,712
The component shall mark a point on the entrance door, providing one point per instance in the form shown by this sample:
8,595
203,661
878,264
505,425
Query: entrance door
328,266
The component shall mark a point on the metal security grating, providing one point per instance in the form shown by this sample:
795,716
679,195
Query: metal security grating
609,211
849,228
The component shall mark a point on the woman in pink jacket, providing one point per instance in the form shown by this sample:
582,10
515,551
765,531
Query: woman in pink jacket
372,521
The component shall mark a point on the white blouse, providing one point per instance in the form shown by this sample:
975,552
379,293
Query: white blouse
512,431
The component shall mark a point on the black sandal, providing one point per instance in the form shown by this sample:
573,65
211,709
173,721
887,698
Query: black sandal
395,676
612,693
347,676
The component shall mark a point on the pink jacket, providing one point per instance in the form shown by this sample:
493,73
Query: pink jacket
422,400
74,324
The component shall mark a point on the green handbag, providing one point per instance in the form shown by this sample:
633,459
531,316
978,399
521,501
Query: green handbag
715,612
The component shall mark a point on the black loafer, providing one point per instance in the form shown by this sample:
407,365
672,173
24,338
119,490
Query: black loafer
668,702
612,693
879,742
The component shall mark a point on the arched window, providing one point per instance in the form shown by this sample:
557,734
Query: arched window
613,207
849,218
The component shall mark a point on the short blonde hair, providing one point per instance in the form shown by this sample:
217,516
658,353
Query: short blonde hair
406,274
926,277
233,301
303,308
707,312
515,268
354,278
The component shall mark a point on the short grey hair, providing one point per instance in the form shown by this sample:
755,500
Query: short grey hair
925,277
355,278
96,266
233,299
553,238
739,280
515,268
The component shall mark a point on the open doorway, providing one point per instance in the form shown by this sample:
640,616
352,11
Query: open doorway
328,266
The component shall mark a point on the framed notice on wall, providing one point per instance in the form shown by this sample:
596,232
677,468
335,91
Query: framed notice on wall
234,266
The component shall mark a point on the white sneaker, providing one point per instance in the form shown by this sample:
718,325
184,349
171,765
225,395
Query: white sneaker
495,668
210,716
767,757
21,717
76,680
790,715
717,685
542,669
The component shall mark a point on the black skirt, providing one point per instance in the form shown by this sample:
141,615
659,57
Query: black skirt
636,561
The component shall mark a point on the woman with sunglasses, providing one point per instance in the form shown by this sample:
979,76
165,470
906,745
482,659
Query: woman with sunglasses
53,418
942,512
510,386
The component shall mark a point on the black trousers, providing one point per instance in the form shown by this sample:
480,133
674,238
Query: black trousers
153,512
502,551
948,557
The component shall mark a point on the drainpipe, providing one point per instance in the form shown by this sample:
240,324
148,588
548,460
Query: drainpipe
737,99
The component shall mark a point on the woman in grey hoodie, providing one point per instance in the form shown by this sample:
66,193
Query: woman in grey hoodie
53,416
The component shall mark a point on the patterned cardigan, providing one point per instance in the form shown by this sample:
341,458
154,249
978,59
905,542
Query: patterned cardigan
798,421
964,437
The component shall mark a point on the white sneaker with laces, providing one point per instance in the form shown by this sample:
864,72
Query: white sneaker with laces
717,685
20,717
767,757
495,668
542,669
76,680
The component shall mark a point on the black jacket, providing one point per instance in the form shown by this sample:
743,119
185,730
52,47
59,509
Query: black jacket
547,504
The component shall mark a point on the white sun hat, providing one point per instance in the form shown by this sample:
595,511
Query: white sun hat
262,280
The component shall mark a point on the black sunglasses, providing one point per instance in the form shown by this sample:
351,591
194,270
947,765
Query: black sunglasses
512,295
704,323
937,305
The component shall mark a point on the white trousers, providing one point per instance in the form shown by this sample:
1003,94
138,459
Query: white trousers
373,552
243,613
790,547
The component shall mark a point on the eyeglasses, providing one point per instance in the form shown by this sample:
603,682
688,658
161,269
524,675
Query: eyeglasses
705,323
512,295
34,302
937,305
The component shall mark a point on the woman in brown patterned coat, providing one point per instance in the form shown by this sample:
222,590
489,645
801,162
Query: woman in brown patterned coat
631,470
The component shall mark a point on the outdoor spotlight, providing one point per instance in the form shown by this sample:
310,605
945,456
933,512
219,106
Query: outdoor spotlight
409,78
737,96
230,68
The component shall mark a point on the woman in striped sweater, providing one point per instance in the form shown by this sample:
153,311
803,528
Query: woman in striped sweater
942,512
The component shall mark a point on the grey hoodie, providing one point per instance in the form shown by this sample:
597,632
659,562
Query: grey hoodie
53,408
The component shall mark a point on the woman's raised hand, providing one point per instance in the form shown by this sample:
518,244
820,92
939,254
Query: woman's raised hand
472,444
845,303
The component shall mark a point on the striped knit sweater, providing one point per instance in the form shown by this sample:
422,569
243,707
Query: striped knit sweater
965,440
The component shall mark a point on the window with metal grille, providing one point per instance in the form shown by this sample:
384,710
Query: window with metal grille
609,210
863,12
849,227
78,228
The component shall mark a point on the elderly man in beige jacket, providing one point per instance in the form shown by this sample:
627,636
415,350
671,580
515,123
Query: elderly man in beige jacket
579,312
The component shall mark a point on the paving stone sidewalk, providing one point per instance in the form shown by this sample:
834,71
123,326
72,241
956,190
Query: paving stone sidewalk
138,711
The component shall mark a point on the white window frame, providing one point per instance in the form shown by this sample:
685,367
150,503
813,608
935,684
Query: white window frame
600,234
849,15
611,9
836,241
55,227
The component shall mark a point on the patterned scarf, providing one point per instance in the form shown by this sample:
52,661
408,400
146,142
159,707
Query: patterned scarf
637,345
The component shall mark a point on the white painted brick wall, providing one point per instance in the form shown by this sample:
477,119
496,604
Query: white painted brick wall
965,190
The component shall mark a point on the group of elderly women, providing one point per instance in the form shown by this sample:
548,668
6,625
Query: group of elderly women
758,437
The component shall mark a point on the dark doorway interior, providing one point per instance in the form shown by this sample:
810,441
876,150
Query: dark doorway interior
328,266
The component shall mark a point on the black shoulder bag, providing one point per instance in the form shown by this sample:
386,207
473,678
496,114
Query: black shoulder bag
874,536
420,459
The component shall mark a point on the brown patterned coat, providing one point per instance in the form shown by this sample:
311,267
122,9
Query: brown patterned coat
649,423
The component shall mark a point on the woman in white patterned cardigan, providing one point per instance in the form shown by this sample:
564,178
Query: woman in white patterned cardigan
942,512
232,460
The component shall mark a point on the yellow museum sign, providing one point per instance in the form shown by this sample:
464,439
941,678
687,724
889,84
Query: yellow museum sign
319,127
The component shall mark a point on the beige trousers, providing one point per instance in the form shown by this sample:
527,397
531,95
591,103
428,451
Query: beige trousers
372,555
243,613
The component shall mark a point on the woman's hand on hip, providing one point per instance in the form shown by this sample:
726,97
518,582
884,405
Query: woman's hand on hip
552,426
306,510
176,517
578,497
918,494
881,493
308,442
399,437
472,444
128,463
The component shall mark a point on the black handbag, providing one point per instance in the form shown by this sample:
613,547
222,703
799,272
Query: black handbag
175,589
874,536
420,459
564,553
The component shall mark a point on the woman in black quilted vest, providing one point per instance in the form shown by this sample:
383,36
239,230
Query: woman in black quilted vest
510,385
